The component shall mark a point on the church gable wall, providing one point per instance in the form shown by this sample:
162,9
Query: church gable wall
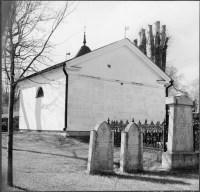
120,64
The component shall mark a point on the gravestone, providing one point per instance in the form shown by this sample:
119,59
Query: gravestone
101,149
131,155
180,149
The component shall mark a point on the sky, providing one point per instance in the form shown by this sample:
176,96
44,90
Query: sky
105,23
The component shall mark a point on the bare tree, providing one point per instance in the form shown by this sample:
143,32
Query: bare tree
155,45
6,87
192,89
30,26
5,9
177,78
194,93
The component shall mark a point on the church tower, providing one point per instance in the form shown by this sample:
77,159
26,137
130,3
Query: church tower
84,49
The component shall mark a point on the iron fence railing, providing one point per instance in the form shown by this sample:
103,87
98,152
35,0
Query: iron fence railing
152,133
117,127
196,131
155,136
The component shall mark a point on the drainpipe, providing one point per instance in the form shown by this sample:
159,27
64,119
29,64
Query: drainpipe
66,95
166,95
166,114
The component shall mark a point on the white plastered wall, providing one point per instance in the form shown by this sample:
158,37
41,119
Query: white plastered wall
121,64
44,113
116,84
91,100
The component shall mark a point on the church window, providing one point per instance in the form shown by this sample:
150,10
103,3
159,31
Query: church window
40,92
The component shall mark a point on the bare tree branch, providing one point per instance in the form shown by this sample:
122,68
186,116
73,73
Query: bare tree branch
56,23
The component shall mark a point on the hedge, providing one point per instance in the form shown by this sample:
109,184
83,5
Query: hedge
5,124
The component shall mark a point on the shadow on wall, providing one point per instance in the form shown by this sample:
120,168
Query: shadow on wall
24,111
50,107
38,106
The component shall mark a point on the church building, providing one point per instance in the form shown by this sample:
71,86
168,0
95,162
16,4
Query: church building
116,81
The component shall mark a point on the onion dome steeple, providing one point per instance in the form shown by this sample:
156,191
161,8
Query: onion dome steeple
84,49
84,40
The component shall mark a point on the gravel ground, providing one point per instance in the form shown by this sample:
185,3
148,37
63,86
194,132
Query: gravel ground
51,162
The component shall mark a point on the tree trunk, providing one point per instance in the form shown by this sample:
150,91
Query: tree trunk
157,44
163,35
1,115
151,43
144,42
135,41
140,39
10,136
10,124
164,54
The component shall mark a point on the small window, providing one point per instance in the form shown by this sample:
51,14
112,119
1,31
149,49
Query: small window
40,92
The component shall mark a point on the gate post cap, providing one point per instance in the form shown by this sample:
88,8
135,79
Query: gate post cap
182,100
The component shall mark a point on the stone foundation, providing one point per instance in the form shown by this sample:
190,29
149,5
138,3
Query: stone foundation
77,133
180,160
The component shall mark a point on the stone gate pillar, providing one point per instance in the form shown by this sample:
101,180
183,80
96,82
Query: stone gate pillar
180,150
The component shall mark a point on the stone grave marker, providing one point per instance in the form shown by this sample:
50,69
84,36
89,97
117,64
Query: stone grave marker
101,149
131,155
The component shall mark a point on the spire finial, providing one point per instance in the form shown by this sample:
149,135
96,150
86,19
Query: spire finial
84,40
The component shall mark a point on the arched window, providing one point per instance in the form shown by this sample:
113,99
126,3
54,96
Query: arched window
40,92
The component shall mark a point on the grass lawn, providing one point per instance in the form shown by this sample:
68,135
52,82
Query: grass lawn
52,162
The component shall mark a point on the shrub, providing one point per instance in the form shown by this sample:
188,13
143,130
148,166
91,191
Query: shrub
5,124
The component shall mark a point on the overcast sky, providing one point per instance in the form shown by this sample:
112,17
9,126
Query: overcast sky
105,22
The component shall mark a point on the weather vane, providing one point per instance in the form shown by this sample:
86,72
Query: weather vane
85,26
126,28
67,53
84,39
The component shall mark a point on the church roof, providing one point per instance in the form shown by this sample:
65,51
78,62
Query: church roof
83,50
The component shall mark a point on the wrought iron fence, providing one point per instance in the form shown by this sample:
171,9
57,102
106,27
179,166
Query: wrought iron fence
196,131
117,127
152,133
